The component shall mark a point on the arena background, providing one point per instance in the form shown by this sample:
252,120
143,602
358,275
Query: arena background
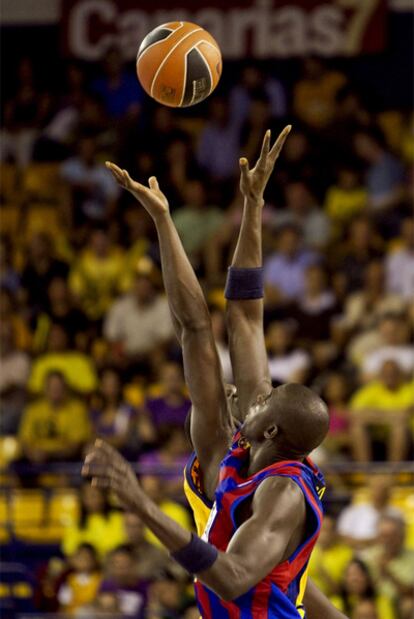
86,341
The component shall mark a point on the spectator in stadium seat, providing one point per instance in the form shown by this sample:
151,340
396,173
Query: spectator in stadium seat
314,94
15,369
381,414
55,427
61,311
362,246
392,564
287,362
97,274
284,270
399,263
149,560
167,596
91,190
346,198
167,402
76,367
9,277
329,560
41,266
140,321
301,210
122,580
99,523
111,417
9,313
357,587
196,221
358,523
118,87
81,584
385,174
336,394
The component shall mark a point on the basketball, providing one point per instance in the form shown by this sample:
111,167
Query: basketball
179,64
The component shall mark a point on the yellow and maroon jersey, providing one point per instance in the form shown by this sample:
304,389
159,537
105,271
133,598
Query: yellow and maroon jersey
199,503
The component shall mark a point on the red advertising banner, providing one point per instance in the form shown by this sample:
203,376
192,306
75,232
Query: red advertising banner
256,28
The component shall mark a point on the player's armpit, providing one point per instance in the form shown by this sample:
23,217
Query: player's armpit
317,604
264,541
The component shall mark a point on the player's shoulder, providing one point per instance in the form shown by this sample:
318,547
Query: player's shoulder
284,490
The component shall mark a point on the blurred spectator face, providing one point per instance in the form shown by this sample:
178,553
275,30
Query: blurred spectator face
93,499
143,289
55,389
360,233
192,613
348,179
365,609
374,276
366,147
110,385
134,529
152,486
58,291
144,164
336,389
259,112
168,593
163,120
327,535
313,68
289,242
380,488
87,150
194,194
99,243
219,111
279,337
296,147
177,151
315,280
251,78
172,378
176,443
107,605
298,197
394,330
40,246
121,566
391,535
391,375
356,578
137,223
58,340
84,559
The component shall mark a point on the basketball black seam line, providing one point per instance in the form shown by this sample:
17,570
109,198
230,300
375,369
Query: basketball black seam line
162,40
195,46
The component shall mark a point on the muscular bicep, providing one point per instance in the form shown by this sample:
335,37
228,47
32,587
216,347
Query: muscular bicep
210,426
264,541
248,351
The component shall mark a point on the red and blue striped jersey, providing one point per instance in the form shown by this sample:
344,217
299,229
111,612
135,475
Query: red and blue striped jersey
280,594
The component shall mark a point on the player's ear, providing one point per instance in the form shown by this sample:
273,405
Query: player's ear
271,432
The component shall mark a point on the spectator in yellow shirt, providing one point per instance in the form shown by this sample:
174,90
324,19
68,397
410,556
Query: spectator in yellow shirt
381,412
77,368
329,559
98,274
81,585
55,426
345,199
99,524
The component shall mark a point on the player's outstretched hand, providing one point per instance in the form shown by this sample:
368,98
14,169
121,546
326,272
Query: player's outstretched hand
108,469
253,182
151,198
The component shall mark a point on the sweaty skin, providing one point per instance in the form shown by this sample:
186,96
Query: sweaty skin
235,571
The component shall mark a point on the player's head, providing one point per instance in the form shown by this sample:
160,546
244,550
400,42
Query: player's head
292,417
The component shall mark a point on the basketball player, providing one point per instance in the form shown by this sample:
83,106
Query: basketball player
250,534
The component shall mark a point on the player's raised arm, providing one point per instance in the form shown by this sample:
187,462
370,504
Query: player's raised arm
210,422
244,289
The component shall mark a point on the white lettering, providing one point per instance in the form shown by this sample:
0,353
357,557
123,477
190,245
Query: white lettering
133,28
327,30
290,36
78,28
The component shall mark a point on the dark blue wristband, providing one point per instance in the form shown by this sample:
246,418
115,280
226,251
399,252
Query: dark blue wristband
244,284
197,556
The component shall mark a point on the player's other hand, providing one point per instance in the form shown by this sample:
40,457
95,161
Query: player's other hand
253,182
151,198
108,469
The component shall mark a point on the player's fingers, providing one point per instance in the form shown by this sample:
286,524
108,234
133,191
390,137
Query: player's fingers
153,183
244,167
265,149
101,482
116,171
278,145
108,451
96,469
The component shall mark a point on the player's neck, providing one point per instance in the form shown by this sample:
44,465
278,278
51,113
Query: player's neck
264,454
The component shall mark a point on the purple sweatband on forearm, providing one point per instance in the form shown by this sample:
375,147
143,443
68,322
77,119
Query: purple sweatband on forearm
244,284
197,556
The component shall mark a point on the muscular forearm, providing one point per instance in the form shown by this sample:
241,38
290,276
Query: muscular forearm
248,252
185,297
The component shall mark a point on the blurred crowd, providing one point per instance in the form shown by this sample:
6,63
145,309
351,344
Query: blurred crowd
87,346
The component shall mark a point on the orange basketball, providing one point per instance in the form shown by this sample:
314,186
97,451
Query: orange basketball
179,64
